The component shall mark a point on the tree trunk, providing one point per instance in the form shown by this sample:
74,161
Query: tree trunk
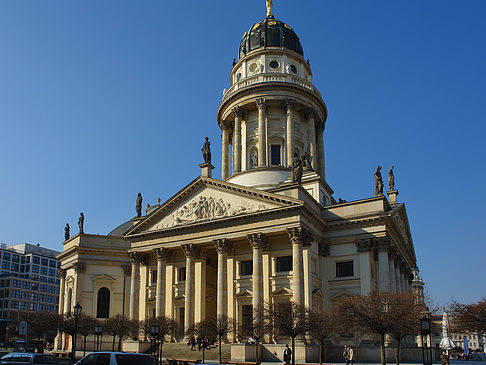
397,355
256,350
293,351
38,342
119,343
159,360
113,347
84,346
383,354
204,348
219,343
321,349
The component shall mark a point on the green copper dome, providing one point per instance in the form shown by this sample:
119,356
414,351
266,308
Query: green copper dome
270,32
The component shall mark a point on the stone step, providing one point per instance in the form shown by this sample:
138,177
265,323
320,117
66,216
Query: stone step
182,351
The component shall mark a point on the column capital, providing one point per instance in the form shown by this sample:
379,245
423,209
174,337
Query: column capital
261,104
161,253
310,113
62,273
392,252
237,111
300,235
324,249
191,250
222,245
382,244
257,240
290,104
365,245
127,270
135,257
79,267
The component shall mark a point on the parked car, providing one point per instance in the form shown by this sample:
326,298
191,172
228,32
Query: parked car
25,358
116,358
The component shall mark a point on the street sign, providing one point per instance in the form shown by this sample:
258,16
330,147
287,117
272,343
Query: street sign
22,328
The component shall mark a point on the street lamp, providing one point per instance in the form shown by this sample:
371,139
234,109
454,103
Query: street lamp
154,336
425,335
77,313
98,332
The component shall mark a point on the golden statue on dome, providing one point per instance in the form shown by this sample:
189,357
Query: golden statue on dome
269,8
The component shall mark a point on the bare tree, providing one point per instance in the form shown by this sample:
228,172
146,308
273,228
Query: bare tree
321,327
38,322
166,325
288,319
120,326
215,327
86,326
469,318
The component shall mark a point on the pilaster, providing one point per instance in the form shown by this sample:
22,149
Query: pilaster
290,103
135,260
237,140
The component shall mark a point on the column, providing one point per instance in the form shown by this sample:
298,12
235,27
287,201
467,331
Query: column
307,262
364,247
383,245
161,254
262,139
299,236
290,103
397,276
237,140
324,249
312,137
191,251
222,247
135,259
200,283
258,243
225,150
391,262
320,153
60,339
79,269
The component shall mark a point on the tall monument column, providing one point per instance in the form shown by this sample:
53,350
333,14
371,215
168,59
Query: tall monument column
290,103
312,137
222,247
135,259
225,150
262,139
161,254
383,265
191,251
237,140
298,237
258,243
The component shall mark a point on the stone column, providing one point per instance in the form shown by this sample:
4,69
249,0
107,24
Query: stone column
299,236
222,247
135,259
191,251
312,137
290,103
60,338
320,153
364,247
262,139
237,140
79,269
397,276
383,244
225,150
258,243
161,254
391,262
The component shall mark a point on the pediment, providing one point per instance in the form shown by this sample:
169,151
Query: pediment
104,278
318,293
207,200
244,294
282,291
342,295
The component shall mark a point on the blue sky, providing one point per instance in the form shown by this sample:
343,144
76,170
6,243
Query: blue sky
102,99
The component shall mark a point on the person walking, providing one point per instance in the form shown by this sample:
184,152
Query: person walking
351,355
346,354
287,355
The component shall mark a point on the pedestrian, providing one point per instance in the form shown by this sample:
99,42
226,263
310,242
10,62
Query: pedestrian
351,355
346,354
287,355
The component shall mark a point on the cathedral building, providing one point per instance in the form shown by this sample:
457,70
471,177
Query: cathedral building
268,230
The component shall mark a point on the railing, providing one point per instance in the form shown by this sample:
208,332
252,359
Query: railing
262,78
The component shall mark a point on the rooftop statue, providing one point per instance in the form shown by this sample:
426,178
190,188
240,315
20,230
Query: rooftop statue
269,8
139,205
297,169
81,223
67,232
307,161
391,179
378,182
206,151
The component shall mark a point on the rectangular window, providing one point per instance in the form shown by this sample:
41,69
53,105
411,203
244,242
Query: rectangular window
52,264
35,286
284,263
34,297
43,288
16,258
16,283
24,305
14,304
154,277
275,155
44,262
22,260
181,274
50,308
42,307
15,267
27,260
6,256
246,267
42,298
246,319
6,293
25,295
43,279
181,315
5,265
51,299
15,294
26,285
43,270
52,290
36,260
35,268
344,269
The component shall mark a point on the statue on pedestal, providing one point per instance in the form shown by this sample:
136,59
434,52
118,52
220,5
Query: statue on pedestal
81,223
307,161
391,179
297,169
139,205
206,151
378,182
67,233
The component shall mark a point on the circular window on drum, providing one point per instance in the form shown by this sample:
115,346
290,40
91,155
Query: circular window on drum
253,67
274,64
293,68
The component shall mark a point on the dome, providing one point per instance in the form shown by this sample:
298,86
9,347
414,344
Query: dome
270,32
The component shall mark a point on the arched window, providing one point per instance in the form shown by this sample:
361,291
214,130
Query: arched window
69,301
103,307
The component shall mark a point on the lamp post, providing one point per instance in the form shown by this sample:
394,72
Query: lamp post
77,312
98,332
154,335
425,335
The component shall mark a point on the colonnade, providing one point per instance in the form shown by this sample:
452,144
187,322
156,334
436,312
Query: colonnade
232,134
